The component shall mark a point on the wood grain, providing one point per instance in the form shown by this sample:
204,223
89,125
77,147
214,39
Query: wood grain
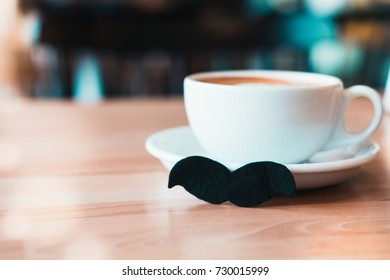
77,183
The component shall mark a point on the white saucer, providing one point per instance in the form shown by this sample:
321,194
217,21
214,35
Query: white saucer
172,145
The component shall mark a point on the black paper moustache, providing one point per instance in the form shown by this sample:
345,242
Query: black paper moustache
248,186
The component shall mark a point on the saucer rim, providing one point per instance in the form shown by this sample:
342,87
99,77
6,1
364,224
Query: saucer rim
369,153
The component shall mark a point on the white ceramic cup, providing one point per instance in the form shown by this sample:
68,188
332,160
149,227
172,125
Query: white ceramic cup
283,123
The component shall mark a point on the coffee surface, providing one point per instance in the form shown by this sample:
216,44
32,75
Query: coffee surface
231,80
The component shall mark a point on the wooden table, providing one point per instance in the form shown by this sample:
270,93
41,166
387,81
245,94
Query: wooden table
77,183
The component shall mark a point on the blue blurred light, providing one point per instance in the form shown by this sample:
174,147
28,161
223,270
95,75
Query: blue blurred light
326,8
257,7
335,58
88,85
303,30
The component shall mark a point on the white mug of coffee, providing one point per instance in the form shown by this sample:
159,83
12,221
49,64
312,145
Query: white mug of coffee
282,116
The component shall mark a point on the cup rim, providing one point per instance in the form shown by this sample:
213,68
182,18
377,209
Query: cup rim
305,77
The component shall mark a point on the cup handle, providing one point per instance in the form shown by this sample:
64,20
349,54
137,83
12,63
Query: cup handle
340,136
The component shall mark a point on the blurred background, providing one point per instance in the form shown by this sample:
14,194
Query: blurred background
102,49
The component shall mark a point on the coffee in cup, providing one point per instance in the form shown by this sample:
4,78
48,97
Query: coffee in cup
250,80
281,116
